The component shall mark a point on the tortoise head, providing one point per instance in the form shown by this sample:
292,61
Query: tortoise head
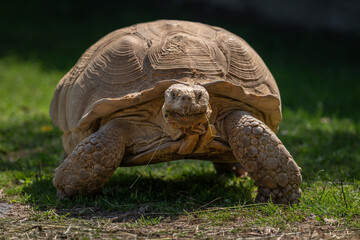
187,108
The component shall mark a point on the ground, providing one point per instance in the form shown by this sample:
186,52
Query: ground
23,222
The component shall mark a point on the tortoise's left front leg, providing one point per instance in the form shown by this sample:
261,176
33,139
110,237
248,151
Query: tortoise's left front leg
89,166
264,157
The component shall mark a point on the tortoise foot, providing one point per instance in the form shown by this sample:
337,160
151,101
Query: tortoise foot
279,195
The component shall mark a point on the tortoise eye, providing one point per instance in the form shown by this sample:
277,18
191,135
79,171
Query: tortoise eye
199,96
173,95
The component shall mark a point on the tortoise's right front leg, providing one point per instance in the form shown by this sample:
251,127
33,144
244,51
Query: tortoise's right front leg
264,157
89,166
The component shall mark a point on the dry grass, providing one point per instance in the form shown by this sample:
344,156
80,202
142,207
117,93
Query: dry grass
22,222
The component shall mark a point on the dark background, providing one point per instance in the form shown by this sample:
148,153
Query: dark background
306,38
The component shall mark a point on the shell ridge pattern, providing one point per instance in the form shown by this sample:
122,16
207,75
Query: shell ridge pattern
92,52
184,51
118,65
242,65
245,66
123,68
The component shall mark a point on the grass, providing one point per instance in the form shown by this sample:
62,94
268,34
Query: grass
318,79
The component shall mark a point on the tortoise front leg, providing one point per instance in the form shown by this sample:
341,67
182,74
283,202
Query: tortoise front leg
89,166
264,157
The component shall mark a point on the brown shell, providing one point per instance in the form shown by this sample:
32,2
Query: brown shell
136,64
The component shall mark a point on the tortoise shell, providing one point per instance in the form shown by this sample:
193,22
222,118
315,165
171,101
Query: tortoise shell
136,64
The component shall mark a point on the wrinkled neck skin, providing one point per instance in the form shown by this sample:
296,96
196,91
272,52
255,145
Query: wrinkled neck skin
187,108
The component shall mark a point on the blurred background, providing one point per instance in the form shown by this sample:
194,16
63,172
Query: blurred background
296,36
311,47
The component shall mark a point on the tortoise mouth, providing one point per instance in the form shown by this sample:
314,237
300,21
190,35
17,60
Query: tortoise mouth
190,124
184,118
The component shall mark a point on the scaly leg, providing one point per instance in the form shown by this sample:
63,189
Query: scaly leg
264,157
89,166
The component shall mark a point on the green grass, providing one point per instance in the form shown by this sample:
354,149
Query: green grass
318,77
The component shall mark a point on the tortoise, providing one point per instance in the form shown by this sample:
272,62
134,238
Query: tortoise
169,90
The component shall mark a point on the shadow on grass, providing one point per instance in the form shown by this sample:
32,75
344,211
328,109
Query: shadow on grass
150,196
32,149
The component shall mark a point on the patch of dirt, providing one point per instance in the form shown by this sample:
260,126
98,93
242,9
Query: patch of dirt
22,222
4,207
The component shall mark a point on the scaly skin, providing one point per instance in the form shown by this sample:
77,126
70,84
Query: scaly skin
92,162
264,157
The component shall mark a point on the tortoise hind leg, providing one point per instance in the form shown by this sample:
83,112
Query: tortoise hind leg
264,157
230,168
89,166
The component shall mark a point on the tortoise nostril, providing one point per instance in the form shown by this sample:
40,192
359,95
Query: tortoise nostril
186,98
199,96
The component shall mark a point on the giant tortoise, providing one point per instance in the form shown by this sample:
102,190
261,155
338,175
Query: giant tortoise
169,90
